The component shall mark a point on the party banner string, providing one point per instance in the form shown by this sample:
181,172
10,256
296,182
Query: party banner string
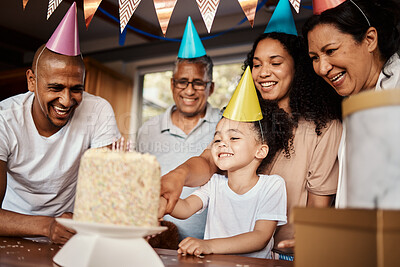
259,6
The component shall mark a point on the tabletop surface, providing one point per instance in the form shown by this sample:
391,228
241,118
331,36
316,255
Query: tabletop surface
23,252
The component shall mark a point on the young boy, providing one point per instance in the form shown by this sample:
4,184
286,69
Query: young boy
244,208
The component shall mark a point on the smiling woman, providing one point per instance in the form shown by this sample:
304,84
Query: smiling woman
273,71
282,72
354,48
343,63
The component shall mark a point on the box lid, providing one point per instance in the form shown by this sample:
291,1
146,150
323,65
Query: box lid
370,99
350,218
389,220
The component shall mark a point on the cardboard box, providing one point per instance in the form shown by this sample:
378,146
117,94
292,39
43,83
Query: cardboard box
346,237
388,238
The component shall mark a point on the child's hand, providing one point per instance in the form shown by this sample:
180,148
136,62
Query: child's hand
161,207
194,246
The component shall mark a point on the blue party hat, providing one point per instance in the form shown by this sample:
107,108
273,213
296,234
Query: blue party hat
282,19
191,46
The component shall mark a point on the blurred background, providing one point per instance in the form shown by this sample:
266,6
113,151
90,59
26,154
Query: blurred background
134,74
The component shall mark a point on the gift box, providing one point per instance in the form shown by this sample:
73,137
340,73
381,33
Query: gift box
371,158
346,237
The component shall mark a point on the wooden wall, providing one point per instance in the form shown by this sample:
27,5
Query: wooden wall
114,87
12,82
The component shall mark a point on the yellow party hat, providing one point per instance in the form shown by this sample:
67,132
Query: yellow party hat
244,105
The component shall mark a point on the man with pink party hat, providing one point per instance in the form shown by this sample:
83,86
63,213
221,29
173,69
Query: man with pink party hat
186,128
43,134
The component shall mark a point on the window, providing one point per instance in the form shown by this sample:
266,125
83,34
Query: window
157,94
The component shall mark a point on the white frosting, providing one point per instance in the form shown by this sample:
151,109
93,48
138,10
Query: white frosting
120,188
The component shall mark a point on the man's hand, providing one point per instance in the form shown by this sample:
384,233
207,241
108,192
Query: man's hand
58,233
171,188
194,246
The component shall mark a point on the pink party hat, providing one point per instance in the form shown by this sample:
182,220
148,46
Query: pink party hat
320,6
65,39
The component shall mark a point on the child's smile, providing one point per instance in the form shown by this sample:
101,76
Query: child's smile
235,145
224,155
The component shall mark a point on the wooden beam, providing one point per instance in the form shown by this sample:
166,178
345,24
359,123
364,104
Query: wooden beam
13,47
236,37
11,57
136,21
19,41
271,3
241,36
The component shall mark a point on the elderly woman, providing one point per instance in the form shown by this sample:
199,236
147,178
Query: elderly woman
353,48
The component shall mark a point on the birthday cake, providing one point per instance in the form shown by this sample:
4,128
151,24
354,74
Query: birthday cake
116,187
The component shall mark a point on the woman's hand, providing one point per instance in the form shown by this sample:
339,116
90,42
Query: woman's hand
171,188
290,243
194,172
161,207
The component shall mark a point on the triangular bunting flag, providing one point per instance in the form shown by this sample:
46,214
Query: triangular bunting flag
208,8
282,19
126,9
296,5
122,37
249,8
89,8
65,39
164,10
244,104
53,4
320,6
24,2
191,45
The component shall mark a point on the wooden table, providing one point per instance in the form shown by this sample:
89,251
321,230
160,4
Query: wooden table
22,252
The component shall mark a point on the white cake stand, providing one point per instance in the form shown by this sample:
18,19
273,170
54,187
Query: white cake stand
106,245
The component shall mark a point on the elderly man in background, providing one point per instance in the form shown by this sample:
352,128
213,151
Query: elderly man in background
186,128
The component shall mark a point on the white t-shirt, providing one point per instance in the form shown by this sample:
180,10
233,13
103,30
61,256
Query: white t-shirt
392,81
231,214
42,171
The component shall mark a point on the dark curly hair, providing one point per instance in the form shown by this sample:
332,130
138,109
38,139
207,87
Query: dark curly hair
383,15
274,130
310,97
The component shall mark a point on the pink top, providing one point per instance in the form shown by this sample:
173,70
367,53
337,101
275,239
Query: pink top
312,167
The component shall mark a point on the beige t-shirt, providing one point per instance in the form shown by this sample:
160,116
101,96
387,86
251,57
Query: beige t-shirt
312,167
